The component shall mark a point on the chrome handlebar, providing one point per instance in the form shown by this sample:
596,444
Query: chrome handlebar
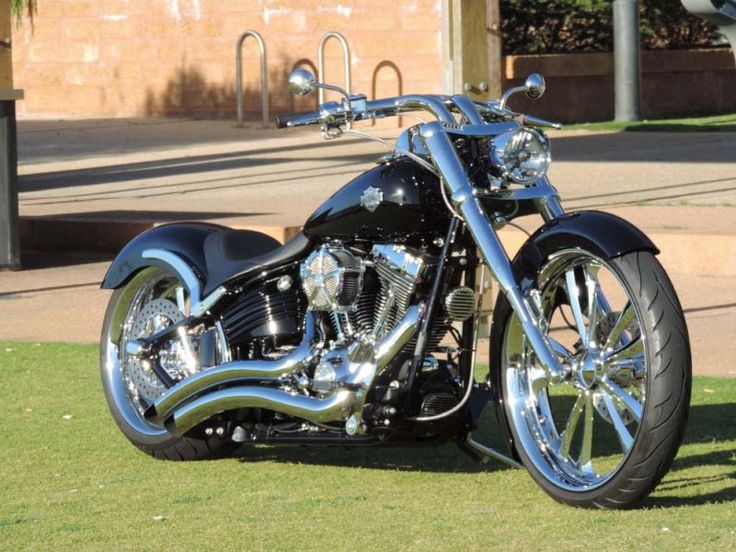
360,109
335,114
332,115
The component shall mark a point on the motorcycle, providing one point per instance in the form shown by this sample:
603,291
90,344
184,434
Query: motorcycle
363,328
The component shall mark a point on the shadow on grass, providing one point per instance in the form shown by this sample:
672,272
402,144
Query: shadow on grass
446,458
708,424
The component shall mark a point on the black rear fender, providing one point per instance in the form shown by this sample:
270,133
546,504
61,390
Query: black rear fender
183,249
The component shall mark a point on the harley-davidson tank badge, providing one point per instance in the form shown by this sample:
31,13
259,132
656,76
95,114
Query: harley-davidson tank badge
371,198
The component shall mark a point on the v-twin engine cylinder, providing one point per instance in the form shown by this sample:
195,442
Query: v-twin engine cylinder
333,281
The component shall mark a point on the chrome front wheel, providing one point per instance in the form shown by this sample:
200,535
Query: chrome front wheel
606,434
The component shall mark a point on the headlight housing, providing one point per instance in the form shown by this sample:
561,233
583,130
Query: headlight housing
522,155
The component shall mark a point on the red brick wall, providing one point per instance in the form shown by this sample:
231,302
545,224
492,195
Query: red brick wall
176,57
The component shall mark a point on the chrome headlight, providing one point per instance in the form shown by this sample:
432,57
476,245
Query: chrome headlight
522,155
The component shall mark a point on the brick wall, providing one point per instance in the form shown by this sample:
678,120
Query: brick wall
176,57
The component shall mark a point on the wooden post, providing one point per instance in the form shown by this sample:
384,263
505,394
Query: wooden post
466,47
495,48
6,62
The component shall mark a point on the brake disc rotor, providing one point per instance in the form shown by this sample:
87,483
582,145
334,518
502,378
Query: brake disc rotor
155,316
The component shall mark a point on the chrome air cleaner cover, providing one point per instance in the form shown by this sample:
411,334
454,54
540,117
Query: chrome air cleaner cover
332,278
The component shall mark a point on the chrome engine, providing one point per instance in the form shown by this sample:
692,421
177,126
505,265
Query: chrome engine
363,318
361,312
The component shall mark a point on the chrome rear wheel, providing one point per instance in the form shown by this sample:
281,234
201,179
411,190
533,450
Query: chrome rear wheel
153,300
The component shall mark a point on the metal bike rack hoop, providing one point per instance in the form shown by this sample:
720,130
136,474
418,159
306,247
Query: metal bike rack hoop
239,76
321,60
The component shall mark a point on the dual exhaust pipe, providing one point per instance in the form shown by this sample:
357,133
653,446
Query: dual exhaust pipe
242,384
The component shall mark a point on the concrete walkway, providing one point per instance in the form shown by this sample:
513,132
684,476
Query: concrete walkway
85,182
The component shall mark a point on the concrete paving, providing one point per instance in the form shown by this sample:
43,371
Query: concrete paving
58,299
680,188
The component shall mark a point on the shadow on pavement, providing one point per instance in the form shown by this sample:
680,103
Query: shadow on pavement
645,147
175,167
645,127
129,215
36,260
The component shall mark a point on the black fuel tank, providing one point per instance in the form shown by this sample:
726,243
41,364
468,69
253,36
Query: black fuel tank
405,199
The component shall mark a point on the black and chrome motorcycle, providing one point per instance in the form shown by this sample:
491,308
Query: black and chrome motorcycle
362,329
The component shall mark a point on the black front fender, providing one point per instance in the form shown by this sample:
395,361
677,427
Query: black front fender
186,240
603,234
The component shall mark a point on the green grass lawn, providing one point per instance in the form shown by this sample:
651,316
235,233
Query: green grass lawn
719,123
69,480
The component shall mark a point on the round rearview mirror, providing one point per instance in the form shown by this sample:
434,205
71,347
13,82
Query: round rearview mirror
301,82
534,86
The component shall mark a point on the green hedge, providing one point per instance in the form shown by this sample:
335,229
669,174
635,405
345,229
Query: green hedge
559,26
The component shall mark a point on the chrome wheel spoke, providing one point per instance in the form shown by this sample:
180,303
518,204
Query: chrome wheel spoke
628,366
572,423
624,320
180,300
593,317
623,398
597,303
633,349
563,352
603,305
538,380
573,295
619,425
586,449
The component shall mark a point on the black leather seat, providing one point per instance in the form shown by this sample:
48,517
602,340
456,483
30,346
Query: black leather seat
234,253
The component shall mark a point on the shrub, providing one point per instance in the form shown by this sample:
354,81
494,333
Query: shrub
560,26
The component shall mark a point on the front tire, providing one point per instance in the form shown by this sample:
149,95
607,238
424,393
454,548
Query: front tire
607,436
127,391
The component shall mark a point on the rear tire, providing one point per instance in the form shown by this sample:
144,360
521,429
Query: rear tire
663,395
152,440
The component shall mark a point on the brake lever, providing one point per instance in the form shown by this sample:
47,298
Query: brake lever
537,122
334,115
496,109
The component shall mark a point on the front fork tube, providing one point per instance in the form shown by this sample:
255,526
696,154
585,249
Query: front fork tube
500,267
456,180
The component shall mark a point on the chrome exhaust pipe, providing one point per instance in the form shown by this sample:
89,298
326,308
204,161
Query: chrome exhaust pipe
179,410
190,415
399,336
232,372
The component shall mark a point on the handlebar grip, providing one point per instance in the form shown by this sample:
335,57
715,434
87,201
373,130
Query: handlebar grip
304,117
